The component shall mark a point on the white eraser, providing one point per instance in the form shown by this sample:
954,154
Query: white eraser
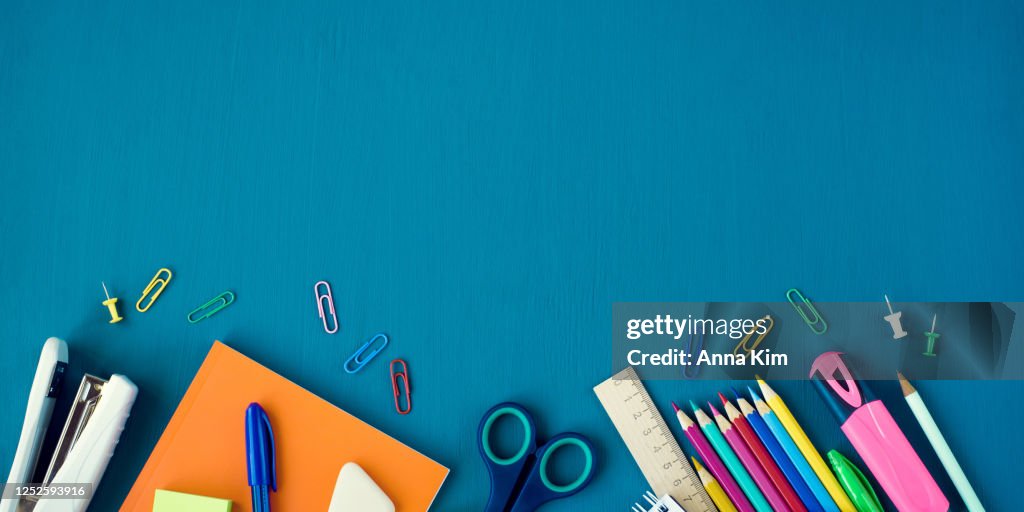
355,491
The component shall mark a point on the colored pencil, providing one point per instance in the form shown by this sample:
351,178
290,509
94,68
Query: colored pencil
779,455
749,461
941,447
806,447
797,458
715,465
714,490
729,458
742,427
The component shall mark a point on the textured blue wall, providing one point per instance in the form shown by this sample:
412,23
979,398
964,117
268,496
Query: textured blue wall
482,180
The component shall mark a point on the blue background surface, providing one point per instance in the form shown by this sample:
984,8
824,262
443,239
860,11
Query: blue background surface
482,180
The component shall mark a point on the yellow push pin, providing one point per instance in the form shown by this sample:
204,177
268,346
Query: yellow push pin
111,304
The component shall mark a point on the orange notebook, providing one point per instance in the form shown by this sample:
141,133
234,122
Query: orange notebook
202,450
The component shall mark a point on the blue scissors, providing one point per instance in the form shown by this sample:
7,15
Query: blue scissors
520,483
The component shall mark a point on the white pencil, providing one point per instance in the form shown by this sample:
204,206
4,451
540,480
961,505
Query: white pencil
931,430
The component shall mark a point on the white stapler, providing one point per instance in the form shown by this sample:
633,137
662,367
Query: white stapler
91,431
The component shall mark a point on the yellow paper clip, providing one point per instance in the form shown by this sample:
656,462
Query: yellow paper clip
744,343
157,281
211,307
814,320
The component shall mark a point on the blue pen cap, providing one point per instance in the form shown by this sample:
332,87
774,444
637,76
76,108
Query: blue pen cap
259,447
841,410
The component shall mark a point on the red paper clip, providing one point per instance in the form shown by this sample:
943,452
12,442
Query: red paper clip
402,375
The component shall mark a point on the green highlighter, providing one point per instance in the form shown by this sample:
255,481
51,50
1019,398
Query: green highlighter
169,501
854,483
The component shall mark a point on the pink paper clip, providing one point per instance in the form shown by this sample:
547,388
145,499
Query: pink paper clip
320,297
405,387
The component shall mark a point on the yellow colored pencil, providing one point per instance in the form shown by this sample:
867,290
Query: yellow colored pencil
714,490
804,444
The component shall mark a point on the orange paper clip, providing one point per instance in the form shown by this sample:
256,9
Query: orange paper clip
397,389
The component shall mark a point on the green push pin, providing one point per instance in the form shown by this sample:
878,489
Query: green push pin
932,336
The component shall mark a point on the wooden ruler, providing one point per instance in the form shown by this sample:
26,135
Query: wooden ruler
651,443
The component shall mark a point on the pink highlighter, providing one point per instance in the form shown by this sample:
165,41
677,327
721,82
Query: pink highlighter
877,438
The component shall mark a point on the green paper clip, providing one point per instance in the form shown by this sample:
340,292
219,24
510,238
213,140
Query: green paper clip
209,309
856,485
812,323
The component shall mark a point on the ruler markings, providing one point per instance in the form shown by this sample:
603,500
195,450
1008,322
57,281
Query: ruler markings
640,425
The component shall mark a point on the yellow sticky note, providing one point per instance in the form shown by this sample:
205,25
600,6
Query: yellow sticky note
170,501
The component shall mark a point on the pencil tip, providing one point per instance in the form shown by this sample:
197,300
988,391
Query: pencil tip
675,407
905,385
696,464
713,410
694,407
722,398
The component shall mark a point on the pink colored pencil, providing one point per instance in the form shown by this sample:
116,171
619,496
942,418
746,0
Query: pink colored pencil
749,461
715,464
746,432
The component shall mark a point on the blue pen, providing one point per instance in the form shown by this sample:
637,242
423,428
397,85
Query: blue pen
260,457
798,460
778,454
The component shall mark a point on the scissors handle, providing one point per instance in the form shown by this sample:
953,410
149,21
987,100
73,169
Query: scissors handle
505,473
539,488
520,483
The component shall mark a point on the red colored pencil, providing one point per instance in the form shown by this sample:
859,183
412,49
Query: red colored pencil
757,473
746,432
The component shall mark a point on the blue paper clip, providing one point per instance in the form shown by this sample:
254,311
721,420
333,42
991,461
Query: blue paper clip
209,309
358,360
811,322
690,350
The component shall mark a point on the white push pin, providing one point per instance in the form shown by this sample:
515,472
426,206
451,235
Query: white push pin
894,320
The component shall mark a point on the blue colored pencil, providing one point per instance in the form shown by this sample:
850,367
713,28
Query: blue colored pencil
779,454
791,449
